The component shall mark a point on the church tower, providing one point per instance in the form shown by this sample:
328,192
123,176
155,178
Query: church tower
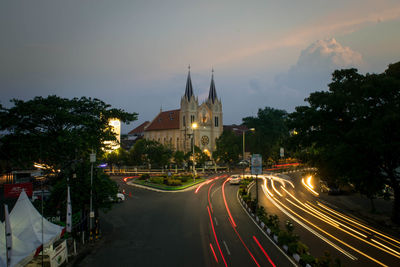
210,117
188,112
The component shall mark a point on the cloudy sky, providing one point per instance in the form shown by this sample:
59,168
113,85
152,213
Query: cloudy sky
134,54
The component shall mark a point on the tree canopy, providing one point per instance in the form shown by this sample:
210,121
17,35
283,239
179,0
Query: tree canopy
351,132
60,133
228,147
270,132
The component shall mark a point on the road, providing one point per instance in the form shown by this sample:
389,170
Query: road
323,227
198,227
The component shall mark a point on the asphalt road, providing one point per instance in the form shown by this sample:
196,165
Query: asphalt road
323,227
191,228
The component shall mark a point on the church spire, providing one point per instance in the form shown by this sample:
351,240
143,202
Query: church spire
212,95
189,88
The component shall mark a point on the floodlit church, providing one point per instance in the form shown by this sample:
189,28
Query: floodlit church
177,127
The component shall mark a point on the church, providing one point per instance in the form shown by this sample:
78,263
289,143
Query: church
177,127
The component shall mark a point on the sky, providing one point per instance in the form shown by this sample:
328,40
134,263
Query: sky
135,54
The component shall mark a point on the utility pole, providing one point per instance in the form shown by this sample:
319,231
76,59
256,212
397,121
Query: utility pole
91,215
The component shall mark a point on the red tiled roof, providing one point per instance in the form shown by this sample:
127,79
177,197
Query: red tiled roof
166,120
140,128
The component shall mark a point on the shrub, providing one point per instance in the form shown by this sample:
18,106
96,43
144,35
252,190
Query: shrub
261,213
273,223
174,182
307,259
301,248
157,180
184,179
144,176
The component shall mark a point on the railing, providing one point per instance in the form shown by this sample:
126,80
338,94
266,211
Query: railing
137,171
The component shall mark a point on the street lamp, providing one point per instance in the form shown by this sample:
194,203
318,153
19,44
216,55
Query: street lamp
243,135
194,126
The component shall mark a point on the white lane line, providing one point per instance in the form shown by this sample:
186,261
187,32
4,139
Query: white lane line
226,246
216,222
212,194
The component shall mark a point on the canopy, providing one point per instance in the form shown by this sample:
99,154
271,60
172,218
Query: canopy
26,228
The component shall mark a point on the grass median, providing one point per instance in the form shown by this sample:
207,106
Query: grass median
184,185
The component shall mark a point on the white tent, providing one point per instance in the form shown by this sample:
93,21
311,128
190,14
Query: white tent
26,228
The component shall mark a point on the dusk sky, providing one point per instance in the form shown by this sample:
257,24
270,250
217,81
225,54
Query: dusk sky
134,54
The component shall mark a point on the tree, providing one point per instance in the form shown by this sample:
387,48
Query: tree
148,151
228,148
118,157
179,157
270,134
351,131
59,133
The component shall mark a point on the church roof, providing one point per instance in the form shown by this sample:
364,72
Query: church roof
189,87
166,120
139,129
212,95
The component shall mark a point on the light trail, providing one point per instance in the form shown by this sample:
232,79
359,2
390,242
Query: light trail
355,222
215,256
241,240
263,251
368,233
276,191
215,236
339,225
274,201
209,202
265,188
207,182
226,204
308,187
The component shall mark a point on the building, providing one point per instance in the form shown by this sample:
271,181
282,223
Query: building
115,125
174,127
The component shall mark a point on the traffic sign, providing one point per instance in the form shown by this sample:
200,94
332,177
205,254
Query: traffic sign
256,164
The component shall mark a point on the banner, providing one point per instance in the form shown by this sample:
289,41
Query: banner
59,255
69,213
8,235
13,190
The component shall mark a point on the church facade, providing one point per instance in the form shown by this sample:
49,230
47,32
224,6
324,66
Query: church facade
177,127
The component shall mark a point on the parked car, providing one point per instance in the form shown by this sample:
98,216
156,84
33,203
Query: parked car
235,179
119,197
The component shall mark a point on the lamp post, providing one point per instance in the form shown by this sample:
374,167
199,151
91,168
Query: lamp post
91,214
194,126
243,135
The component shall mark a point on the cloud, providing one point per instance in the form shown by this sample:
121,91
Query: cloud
313,69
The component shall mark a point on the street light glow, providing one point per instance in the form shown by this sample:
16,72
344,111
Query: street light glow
194,125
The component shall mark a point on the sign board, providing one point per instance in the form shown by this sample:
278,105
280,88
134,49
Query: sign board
13,190
93,157
256,164
59,255
281,152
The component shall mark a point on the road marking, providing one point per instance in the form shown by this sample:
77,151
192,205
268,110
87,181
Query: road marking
226,246
216,222
215,191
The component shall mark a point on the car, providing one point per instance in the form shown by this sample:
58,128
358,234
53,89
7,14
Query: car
235,179
119,197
